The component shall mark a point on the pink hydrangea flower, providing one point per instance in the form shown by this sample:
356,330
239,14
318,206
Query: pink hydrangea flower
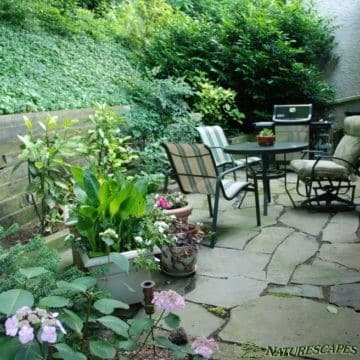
168,300
26,334
204,347
163,203
48,334
11,326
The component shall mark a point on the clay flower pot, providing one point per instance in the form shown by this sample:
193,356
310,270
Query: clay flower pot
182,214
179,261
265,140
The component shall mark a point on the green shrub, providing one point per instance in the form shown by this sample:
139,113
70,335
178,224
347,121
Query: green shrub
155,103
267,51
53,72
216,104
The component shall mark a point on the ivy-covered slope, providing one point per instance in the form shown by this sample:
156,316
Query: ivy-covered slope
41,71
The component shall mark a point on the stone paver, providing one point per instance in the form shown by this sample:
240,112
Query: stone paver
195,319
344,254
324,273
285,322
236,239
268,240
224,263
225,292
295,250
303,220
309,291
342,228
237,272
346,295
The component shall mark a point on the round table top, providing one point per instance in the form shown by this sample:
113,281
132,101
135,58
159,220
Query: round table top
255,148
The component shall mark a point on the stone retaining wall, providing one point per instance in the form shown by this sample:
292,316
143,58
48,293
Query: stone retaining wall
14,205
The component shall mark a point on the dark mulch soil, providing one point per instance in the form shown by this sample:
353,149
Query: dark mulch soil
25,233
147,353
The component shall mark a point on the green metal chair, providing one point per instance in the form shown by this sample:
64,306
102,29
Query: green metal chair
328,180
215,139
195,170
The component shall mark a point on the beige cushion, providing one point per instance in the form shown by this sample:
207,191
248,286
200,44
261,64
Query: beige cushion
324,168
348,149
352,125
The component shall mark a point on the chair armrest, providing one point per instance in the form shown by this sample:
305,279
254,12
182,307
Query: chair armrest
318,152
232,170
330,157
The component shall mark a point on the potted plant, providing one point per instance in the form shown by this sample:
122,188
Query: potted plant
266,137
174,203
179,257
107,213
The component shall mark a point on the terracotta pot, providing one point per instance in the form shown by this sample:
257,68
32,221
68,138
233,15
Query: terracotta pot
265,140
182,213
179,261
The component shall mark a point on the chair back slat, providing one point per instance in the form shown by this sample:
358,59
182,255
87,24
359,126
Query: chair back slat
215,139
194,167
349,146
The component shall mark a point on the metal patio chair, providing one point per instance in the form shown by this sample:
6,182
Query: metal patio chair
328,180
195,170
215,139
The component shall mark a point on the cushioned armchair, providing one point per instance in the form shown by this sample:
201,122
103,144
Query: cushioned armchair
328,180
195,171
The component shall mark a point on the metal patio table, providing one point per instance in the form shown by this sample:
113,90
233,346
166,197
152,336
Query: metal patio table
265,152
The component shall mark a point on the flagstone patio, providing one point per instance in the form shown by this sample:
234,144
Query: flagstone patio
275,281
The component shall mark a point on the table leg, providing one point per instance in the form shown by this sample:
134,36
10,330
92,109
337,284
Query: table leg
266,183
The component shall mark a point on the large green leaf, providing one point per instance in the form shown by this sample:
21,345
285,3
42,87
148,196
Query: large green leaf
31,272
138,326
104,194
120,260
107,306
172,320
67,353
102,349
91,186
29,352
88,211
78,175
12,300
128,345
86,281
176,350
9,346
120,327
54,302
65,285
72,320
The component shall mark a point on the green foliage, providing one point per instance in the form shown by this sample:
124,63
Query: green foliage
216,104
155,103
10,230
54,72
105,205
24,256
107,148
267,51
266,132
48,173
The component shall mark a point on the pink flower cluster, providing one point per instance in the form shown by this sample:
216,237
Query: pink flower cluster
24,321
204,347
163,203
168,300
